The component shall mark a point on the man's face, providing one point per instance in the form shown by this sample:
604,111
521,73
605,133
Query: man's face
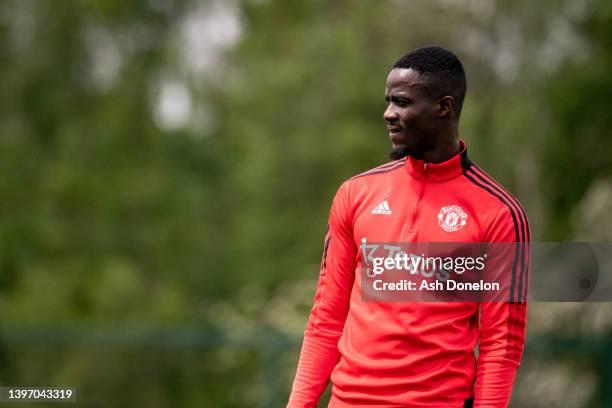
411,114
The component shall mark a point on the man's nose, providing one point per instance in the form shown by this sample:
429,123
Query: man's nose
390,114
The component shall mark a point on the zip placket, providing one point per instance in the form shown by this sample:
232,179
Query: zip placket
417,207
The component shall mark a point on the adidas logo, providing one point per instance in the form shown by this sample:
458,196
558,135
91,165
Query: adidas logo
382,208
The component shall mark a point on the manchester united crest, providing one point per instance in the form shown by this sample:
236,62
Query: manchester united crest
452,218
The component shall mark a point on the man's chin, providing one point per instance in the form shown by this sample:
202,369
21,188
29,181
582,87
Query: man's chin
398,152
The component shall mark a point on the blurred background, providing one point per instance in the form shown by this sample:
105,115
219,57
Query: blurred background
167,169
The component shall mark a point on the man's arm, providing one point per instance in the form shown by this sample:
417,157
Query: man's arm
331,303
502,324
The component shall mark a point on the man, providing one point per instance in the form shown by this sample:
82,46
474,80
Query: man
416,354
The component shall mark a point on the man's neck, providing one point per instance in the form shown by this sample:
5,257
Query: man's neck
443,151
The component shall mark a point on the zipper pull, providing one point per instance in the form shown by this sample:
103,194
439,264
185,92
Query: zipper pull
425,166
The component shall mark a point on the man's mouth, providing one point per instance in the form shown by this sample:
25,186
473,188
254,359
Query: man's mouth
394,129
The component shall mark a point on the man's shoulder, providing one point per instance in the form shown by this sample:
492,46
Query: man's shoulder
490,191
355,188
379,170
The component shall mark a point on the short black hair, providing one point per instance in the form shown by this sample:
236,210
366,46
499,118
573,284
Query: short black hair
444,69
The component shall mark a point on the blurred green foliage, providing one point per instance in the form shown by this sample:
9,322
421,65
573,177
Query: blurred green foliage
149,260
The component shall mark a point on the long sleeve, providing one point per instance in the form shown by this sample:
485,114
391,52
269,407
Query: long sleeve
319,353
502,323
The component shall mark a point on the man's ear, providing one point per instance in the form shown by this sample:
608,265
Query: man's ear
446,105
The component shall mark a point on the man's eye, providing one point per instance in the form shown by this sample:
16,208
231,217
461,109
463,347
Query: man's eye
397,102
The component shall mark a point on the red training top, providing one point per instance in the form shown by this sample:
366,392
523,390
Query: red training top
413,354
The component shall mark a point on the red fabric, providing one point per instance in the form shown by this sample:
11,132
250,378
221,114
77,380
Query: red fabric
409,354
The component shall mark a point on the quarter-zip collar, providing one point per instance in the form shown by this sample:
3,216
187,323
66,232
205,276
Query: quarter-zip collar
438,172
